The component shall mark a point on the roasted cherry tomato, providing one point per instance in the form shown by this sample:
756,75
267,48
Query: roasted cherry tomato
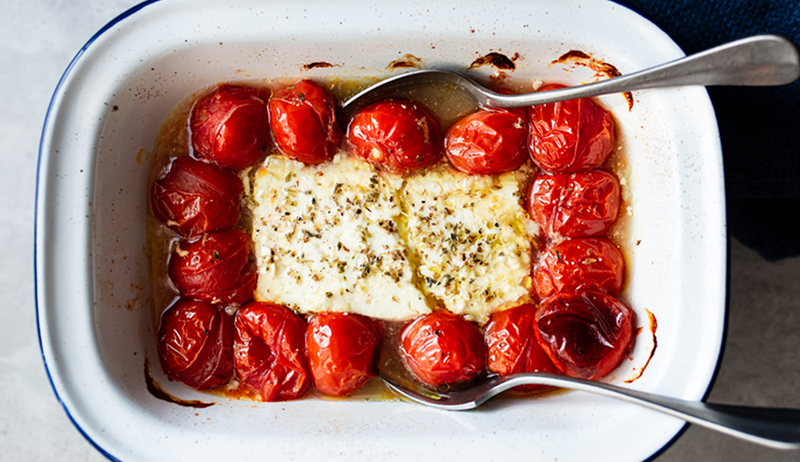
442,348
488,141
269,351
579,264
586,334
230,126
400,136
570,136
343,350
513,347
581,204
196,197
216,268
195,344
303,122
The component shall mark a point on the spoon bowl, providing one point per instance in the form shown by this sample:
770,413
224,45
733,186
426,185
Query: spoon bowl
774,427
762,60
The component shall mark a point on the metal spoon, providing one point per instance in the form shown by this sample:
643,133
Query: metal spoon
756,61
774,427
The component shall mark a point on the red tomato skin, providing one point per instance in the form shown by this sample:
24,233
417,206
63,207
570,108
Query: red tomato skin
303,122
586,334
269,351
342,349
442,348
195,344
400,136
230,127
215,268
579,264
513,347
196,197
570,136
486,142
583,204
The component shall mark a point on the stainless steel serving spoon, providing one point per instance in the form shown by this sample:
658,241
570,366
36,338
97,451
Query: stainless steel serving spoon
756,61
774,427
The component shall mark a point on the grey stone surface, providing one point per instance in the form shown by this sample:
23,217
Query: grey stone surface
38,38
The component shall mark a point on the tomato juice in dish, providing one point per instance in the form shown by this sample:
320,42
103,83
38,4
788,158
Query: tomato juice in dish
380,243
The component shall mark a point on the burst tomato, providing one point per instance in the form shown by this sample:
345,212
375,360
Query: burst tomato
579,264
400,136
586,334
343,349
196,197
269,351
303,122
216,268
195,344
582,204
230,127
488,141
513,347
442,348
570,136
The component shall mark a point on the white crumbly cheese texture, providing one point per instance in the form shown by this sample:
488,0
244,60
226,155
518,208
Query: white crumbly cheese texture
326,239
472,238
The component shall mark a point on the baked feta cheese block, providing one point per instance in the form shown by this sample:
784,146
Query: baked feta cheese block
471,237
326,239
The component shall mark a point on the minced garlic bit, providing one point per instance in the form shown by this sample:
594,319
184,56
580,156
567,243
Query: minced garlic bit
326,239
472,238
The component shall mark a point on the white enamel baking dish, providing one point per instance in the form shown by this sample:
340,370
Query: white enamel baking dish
94,308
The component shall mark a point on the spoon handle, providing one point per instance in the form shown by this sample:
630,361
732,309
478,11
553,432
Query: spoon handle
755,61
774,427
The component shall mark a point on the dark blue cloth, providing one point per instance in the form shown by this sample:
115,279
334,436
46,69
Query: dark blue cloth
759,126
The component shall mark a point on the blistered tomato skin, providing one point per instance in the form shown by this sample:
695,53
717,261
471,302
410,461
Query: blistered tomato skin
570,136
269,351
196,197
230,127
486,142
217,268
579,264
442,348
586,334
303,122
195,344
513,347
342,350
400,136
583,204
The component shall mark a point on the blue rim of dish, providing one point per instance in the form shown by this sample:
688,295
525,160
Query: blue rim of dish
130,11
134,9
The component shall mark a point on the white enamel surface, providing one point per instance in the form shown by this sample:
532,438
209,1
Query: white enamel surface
94,309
